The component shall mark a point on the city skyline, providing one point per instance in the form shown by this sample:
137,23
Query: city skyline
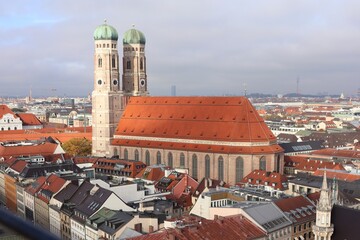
203,48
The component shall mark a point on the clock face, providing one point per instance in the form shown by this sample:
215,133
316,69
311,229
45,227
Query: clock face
99,82
115,82
142,82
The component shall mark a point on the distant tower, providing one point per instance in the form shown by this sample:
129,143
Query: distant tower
106,97
173,90
323,229
134,64
297,87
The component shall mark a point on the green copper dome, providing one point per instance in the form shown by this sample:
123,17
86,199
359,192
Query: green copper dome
134,36
105,32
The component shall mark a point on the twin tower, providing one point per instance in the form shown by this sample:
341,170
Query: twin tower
109,97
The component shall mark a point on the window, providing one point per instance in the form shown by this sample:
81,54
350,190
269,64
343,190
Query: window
158,157
221,168
194,166
278,164
170,159
141,64
100,62
262,163
239,170
128,65
126,154
207,166
182,160
113,61
136,155
147,157
115,152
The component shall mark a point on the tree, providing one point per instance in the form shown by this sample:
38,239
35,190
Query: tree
77,147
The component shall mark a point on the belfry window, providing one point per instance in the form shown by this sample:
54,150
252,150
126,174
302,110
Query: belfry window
128,65
141,64
100,62
113,62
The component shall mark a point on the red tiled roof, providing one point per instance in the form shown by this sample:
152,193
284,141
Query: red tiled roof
79,160
130,167
62,135
314,197
293,161
18,166
5,110
44,149
209,183
295,204
231,227
52,184
227,119
344,176
261,177
337,153
35,186
29,119
312,165
151,173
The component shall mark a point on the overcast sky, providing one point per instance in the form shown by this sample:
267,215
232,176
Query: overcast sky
203,47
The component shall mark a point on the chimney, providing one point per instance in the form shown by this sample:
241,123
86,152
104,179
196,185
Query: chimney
216,217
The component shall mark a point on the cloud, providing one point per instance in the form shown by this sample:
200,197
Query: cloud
202,47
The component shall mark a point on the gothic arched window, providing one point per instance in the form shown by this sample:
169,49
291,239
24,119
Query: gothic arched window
128,65
221,168
136,155
182,160
170,159
158,157
207,166
194,166
141,64
239,169
262,163
147,158
126,154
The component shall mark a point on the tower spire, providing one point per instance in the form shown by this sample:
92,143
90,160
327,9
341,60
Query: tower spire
323,228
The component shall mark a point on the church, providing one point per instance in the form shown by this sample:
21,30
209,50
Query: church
221,138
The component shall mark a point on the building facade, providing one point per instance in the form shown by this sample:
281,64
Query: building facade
218,137
108,98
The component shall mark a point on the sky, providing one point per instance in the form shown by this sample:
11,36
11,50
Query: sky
202,47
